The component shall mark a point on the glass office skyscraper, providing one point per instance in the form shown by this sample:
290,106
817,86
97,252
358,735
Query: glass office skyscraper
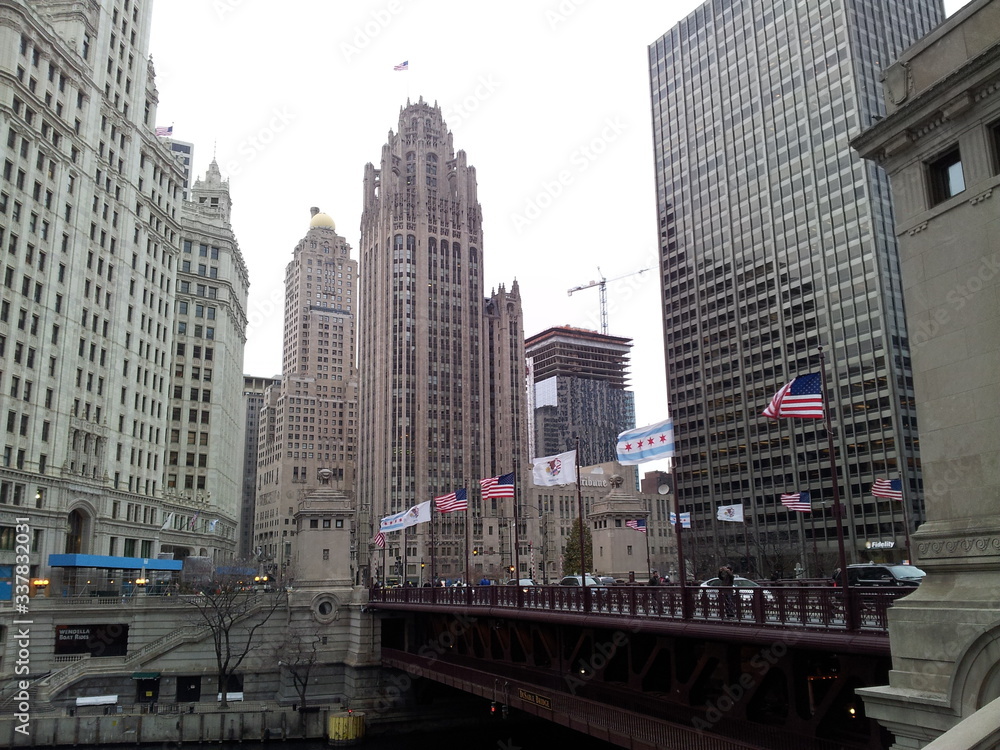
776,240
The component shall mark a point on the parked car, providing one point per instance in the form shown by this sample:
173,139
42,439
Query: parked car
878,574
607,580
576,581
745,586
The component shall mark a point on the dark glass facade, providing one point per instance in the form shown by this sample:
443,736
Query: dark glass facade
776,239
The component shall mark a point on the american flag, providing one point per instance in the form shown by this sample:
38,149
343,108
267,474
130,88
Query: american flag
379,540
501,486
803,397
890,488
164,130
639,524
458,500
800,501
405,65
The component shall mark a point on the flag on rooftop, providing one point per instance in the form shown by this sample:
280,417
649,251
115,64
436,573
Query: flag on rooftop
646,443
405,65
730,513
803,398
457,500
552,470
890,488
685,519
639,524
406,518
800,501
501,486
162,130
379,540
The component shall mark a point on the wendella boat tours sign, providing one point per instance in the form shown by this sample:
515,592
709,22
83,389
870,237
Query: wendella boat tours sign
96,640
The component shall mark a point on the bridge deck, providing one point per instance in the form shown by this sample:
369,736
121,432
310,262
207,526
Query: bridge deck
817,614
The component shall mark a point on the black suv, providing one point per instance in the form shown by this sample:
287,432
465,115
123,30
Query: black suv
877,574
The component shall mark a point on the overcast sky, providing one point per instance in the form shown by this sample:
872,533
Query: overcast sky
550,101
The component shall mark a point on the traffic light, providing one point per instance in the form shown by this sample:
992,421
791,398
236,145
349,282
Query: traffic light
475,551
493,708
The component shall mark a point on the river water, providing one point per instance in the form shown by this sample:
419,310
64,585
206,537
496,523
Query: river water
522,733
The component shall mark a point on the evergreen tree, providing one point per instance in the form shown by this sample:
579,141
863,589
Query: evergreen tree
571,553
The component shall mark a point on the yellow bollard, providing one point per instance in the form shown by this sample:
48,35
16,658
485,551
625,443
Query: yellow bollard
346,728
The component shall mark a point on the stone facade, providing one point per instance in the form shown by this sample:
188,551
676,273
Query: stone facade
92,219
307,431
940,143
441,364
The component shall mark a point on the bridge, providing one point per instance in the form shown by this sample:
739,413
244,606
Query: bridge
655,666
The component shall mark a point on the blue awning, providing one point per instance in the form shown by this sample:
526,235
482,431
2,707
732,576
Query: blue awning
107,561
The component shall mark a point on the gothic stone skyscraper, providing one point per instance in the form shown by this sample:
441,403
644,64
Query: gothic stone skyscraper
776,239
308,422
441,367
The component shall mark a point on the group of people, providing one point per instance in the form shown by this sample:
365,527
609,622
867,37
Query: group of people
727,580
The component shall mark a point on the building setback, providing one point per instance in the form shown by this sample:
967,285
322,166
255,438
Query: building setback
580,379
776,240
308,426
441,366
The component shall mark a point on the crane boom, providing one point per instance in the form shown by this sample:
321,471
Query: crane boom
602,283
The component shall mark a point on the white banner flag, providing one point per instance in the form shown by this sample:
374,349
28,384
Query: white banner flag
551,470
730,513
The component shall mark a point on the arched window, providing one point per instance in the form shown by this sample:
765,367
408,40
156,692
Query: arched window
75,535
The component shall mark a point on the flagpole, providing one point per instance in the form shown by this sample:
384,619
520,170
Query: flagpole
517,533
838,510
746,539
649,565
902,456
579,506
678,526
468,524
433,553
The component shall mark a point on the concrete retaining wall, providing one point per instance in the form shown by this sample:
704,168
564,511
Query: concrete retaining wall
215,726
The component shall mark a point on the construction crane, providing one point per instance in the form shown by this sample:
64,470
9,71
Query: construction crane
603,291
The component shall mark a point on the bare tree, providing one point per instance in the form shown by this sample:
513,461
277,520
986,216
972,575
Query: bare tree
234,609
299,654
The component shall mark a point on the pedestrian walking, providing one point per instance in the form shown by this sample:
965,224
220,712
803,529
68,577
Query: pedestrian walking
726,581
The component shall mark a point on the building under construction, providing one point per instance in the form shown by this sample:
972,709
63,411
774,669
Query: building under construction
580,381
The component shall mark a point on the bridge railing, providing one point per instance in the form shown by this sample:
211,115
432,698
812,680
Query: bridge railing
820,607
